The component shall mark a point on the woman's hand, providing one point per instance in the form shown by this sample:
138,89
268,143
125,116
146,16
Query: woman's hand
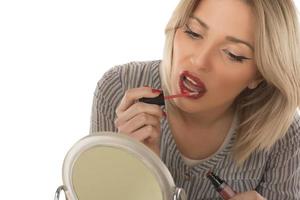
139,120
250,195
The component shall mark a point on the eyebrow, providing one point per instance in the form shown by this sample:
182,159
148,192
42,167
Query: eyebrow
236,40
202,23
229,38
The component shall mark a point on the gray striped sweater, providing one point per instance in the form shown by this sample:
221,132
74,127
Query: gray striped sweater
274,174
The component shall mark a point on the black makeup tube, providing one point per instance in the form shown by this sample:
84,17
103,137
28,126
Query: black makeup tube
221,186
159,100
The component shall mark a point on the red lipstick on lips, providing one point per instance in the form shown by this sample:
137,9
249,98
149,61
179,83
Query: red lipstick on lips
189,83
190,87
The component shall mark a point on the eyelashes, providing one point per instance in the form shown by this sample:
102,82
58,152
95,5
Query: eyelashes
191,33
235,58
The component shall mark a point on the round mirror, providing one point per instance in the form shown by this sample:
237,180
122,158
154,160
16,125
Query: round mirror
113,166
110,173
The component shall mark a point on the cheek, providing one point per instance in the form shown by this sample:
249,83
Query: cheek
234,81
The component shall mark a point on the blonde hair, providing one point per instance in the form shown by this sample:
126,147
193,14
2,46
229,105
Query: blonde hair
266,112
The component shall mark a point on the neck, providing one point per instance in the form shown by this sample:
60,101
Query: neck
206,120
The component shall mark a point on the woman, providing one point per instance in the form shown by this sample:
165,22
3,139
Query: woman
238,60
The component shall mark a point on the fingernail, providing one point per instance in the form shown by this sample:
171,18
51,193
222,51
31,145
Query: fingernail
156,90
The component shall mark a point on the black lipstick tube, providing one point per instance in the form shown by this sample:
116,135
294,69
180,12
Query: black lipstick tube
221,186
159,100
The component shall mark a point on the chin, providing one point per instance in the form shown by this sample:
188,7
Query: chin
187,107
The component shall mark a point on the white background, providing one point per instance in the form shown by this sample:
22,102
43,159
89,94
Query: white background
52,53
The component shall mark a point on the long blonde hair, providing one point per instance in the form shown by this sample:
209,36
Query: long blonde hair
266,112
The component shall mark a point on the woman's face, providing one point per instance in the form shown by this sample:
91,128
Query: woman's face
213,56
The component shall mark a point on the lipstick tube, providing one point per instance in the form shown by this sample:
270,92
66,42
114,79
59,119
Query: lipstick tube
159,100
221,186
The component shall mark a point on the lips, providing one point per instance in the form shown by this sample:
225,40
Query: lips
191,84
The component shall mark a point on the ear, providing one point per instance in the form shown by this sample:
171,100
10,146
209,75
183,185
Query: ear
254,83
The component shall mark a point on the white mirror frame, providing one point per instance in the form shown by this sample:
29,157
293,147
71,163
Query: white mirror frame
122,142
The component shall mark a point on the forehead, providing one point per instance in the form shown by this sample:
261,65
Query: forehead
227,17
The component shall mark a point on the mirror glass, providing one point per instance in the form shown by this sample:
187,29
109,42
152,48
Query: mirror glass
112,174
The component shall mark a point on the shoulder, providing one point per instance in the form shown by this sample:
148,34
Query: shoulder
135,68
133,74
120,78
140,65
137,74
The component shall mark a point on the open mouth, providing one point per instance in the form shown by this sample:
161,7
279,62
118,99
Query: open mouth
191,84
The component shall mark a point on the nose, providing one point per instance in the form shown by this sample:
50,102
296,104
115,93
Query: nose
201,58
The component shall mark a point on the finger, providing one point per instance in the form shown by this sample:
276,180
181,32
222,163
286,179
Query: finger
138,122
137,109
132,95
148,132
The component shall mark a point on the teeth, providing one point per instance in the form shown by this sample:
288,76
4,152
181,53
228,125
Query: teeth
191,80
188,86
191,85
193,93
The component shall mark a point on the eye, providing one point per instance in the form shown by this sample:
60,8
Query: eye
191,33
234,57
